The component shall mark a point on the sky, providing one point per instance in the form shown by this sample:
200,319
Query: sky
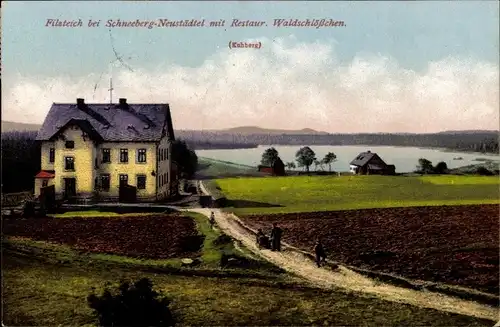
392,67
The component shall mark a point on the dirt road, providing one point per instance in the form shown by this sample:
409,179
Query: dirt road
342,277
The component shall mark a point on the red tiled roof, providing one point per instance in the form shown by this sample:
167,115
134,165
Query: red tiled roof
45,174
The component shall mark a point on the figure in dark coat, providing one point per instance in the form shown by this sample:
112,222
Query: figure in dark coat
276,233
262,239
319,250
212,220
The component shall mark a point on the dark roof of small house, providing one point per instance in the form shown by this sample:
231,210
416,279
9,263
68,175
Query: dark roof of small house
112,122
362,159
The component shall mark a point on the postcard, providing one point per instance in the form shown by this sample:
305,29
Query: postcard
250,163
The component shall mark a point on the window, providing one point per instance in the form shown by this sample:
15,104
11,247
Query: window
160,152
141,155
45,183
123,179
106,155
123,155
70,144
166,154
166,177
141,182
69,163
105,182
52,155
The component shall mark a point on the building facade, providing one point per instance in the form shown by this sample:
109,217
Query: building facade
93,151
369,163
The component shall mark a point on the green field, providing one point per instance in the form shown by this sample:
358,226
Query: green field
211,168
324,193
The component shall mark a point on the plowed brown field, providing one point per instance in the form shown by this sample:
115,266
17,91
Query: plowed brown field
157,236
448,244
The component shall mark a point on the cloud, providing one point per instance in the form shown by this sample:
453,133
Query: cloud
291,85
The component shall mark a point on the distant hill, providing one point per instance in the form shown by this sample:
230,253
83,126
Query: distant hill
10,126
478,131
258,130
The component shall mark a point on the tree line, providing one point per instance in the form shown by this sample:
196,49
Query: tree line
486,142
425,166
305,157
20,161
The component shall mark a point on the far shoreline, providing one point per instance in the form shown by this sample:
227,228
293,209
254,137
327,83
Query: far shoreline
448,150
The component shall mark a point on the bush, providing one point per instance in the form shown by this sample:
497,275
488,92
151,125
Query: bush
483,171
186,159
134,305
234,261
222,240
425,166
29,209
441,168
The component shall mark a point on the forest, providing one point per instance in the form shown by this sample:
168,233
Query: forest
486,142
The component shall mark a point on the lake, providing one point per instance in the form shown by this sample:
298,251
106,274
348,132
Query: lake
404,158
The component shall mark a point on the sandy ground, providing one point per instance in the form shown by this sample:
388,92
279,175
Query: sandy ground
344,278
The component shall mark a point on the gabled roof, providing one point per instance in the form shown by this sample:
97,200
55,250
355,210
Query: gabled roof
112,122
84,126
363,158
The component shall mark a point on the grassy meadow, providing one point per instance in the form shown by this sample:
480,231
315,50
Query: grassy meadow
37,293
325,193
211,168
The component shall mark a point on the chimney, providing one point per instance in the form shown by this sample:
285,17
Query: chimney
123,102
80,102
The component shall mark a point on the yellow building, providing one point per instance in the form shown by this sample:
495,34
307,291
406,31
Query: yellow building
108,152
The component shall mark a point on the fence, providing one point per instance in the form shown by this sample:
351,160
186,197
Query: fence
16,199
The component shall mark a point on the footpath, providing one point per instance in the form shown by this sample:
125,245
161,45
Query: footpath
344,278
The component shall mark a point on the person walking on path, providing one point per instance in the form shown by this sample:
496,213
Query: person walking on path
262,239
212,220
276,233
319,250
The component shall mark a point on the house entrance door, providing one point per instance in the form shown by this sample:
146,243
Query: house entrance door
69,187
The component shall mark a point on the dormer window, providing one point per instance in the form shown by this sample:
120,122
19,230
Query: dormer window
70,144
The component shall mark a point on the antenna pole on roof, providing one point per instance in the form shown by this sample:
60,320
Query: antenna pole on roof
111,90
111,82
